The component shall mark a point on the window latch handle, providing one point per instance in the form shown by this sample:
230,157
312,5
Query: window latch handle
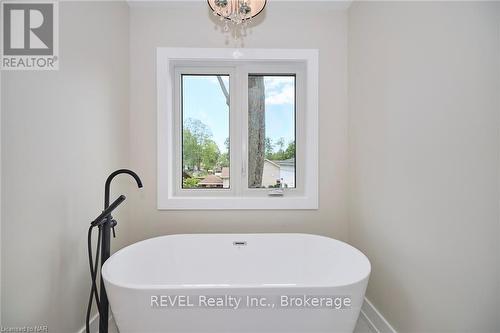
276,192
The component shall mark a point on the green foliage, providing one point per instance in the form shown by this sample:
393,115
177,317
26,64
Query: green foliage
209,154
223,160
199,151
280,144
190,182
268,147
277,151
290,151
191,150
224,157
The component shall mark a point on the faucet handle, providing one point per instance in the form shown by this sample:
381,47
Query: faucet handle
113,224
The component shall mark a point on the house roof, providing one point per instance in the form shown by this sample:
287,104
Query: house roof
224,173
272,162
211,180
288,162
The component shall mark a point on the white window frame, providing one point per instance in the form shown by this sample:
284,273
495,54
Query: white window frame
172,61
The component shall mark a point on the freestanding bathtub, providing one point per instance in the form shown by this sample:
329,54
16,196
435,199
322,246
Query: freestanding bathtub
232,283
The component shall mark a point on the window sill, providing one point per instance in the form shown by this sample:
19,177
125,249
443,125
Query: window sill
218,203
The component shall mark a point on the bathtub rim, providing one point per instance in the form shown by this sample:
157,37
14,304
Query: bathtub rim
105,273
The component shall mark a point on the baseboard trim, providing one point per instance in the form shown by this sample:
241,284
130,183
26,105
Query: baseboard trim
94,324
374,319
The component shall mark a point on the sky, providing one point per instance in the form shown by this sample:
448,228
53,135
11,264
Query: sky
204,100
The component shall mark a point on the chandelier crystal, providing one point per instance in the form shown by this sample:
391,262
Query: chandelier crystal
236,11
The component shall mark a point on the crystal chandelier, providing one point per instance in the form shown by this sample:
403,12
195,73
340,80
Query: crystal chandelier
236,11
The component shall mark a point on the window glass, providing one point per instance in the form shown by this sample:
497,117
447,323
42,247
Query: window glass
205,131
271,131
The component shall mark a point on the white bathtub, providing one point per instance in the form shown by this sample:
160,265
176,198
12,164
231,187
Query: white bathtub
167,284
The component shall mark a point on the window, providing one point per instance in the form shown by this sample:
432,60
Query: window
271,131
237,130
205,131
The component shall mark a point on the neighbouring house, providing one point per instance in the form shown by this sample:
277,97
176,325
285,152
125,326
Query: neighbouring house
211,181
287,171
270,174
273,172
225,177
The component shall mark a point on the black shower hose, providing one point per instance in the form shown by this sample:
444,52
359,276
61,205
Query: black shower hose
93,276
103,218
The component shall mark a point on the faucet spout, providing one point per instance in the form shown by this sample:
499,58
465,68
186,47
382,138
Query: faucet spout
110,179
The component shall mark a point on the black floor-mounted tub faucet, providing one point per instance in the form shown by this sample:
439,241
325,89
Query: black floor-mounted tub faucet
104,222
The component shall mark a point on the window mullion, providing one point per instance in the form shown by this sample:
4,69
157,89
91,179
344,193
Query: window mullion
234,139
243,133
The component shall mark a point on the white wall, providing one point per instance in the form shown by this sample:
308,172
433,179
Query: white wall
424,150
285,26
62,133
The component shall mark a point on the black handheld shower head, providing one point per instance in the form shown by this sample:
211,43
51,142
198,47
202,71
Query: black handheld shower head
107,212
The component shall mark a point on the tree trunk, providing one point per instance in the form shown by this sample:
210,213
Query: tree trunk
224,89
256,130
